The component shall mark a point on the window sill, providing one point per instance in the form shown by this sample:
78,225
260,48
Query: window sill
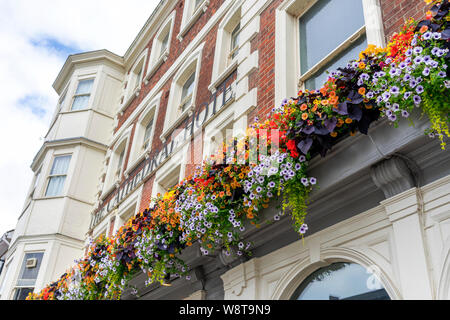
193,19
151,71
167,131
49,198
221,77
144,155
110,189
134,95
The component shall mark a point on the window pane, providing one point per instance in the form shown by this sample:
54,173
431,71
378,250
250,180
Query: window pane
80,102
22,293
55,186
321,76
60,165
148,132
322,28
28,276
235,40
119,164
188,86
85,86
197,4
164,43
341,281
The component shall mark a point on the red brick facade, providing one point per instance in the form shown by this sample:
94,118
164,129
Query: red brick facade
394,13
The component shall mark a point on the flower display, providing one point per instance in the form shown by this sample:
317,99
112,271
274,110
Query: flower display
224,196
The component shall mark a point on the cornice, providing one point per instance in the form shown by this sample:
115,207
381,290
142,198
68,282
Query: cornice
85,57
66,142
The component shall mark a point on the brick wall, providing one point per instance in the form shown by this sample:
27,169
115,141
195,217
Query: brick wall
396,12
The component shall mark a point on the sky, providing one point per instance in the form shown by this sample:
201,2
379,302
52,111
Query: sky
36,37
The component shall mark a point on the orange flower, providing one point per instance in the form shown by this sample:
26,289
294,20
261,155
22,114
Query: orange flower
303,107
362,91
324,102
348,120
304,116
333,134
362,65
423,29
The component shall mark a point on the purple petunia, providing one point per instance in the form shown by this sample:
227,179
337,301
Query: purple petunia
417,50
437,35
419,89
395,90
405,114
427,35
426,72
417,99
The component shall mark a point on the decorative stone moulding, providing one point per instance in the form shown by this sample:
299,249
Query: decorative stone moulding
392,176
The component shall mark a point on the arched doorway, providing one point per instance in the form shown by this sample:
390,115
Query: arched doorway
341,281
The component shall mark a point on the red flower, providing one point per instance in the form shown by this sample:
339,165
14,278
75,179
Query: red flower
291,145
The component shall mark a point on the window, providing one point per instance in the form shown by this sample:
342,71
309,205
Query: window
197,4
35,183
341,281
234,49
191,13
303,54
167,182
164,44
344,40
223,135
57,176
186,94
61,102
183,92
28,275
228,42
147,134
119,165
82,95
160,46
2,263
138,78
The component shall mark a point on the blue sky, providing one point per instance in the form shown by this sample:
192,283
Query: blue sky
36,38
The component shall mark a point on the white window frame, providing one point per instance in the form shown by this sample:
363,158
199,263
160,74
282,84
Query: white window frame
133,84
171,171
16,286
125,212
111,181
157,57
173,115
191,15
287,46
223,66
49,175
137,154
35,185
90,94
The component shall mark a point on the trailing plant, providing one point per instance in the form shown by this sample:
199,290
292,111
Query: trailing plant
214,206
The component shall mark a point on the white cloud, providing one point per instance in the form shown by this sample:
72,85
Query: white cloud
35,38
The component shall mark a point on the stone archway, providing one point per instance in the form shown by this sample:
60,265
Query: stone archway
287,285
